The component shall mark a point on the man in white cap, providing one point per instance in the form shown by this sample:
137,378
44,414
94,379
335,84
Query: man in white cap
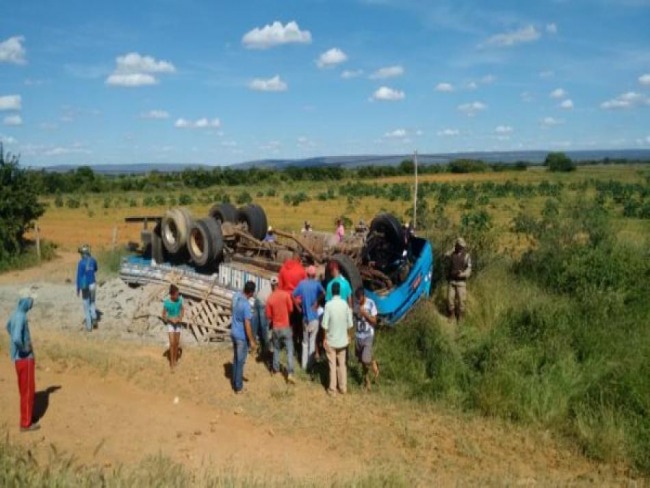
459,270
278,309
270,235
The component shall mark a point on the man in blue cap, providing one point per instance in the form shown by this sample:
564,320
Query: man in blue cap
87,286
22,355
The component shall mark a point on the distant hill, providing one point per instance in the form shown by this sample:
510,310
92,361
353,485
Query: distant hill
508,157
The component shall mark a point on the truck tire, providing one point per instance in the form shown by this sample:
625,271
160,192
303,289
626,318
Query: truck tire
388,225
253,220
157,248
348,269
205,241
385,243
223,212
264,223
175,227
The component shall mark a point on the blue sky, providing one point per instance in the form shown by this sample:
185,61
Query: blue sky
197,81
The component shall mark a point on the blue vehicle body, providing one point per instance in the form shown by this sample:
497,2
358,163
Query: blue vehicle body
393,304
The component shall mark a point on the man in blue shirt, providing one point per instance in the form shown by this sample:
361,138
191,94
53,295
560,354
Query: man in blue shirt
240,332
22,356
86,285
306,297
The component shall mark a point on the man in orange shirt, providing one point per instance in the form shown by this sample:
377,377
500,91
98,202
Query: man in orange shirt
278,308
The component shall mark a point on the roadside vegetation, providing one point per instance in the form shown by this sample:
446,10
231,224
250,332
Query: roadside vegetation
557,334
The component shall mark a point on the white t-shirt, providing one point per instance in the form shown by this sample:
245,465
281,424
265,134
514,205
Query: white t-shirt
363,328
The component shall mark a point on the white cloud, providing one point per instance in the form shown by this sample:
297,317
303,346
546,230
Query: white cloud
136,63
503,129
396,134
558,93
525,34
471,109
134,70
131,80
472,85
62,151
10,102
5,139
275,34
388,94
550,122
567,104
448,132
331,58
526,97
13,120
643,141
551,28
203,123
274,84
155,114
549,73
488,79
444,87
645,79
348,74
387,72
626,100
229,143
12,50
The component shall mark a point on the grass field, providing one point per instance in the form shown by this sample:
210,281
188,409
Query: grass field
95,224
556,336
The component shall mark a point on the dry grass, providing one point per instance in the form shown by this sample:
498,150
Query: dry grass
95,225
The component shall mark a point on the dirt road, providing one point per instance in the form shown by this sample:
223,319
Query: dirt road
108,398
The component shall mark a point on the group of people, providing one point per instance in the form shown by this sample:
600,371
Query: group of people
299,307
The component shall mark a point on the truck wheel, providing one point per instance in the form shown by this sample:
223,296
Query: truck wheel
385,243
175,228
253,221
205,241
223,212
388,225
348,269
264,223
157,248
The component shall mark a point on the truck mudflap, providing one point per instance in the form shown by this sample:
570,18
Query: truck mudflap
392,305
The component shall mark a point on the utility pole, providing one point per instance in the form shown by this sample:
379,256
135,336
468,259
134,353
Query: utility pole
415,192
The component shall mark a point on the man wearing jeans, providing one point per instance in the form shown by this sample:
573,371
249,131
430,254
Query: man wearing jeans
337,320
22,355
306,296
86,285
278,308
239,333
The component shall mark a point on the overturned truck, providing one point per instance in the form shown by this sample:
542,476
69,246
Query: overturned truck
211,257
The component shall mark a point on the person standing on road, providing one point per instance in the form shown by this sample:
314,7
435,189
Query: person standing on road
278,308
22,355
306,297
337,320
344,284
241,334
365,318
87,286
459,270
172,315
